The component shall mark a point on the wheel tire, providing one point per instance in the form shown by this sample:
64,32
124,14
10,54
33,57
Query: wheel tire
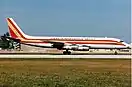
115,53
69,52
66,53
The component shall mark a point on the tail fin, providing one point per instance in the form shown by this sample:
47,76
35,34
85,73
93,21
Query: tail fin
14,30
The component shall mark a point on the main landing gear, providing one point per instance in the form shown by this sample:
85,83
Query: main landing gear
115,52
66,52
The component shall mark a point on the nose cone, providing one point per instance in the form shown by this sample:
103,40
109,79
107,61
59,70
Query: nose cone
127,45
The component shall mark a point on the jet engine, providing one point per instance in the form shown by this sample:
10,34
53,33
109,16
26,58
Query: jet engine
83,48
76,47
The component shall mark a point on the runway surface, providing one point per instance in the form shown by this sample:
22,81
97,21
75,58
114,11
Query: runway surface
64,56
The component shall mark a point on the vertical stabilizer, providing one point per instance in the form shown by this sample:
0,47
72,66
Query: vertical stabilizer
14,30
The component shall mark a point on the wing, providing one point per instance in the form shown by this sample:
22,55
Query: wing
66,45
57,44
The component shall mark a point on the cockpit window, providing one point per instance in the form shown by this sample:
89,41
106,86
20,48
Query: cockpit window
121,41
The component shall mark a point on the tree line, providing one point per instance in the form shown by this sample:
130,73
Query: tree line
6,43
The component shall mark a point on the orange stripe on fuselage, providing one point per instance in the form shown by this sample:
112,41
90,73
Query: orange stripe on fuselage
78,43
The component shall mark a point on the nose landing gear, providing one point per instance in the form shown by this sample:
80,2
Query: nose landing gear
115,52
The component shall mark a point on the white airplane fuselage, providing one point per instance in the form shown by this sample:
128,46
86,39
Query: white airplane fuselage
64,43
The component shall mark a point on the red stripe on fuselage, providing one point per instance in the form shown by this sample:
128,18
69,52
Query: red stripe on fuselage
74,40
53,38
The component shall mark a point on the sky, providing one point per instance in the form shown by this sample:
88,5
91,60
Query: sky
91,18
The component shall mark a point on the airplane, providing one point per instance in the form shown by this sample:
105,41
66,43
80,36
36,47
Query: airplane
64,43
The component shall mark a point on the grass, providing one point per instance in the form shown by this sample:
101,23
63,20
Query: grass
65,73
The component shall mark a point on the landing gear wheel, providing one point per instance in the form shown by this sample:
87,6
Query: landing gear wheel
66,52
115,53
69,52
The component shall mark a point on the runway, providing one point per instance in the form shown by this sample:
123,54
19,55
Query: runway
64,56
